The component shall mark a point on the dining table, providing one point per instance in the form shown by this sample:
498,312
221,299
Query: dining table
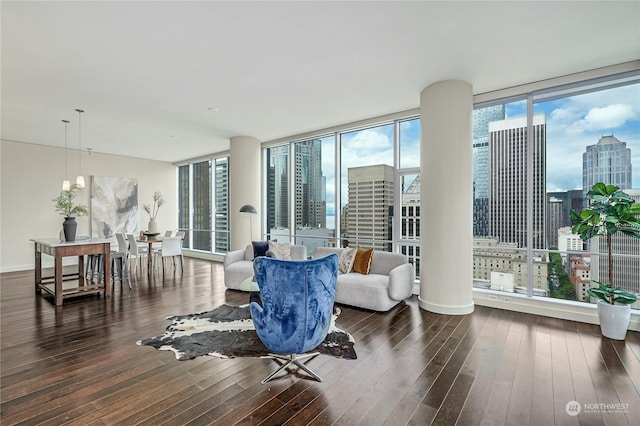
150,240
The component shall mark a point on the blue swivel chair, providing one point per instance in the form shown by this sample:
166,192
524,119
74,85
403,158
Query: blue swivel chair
294,312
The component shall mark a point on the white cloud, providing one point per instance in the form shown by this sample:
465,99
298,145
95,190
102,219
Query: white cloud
563,115
603,118
367,147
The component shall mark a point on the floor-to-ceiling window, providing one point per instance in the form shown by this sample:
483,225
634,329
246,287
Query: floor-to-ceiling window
203,194
593,135
340,189
314,192
277,193
534,158
221,223
408,186
367,187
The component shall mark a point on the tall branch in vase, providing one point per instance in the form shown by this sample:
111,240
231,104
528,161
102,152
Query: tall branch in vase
153,209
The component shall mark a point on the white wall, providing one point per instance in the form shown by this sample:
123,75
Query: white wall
31,176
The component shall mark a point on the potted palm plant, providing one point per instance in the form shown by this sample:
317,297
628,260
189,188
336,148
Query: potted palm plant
610,211
65,205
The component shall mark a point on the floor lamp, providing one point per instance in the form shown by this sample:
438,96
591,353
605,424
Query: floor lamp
248,208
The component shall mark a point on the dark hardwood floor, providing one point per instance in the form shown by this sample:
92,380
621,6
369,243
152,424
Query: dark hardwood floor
79,364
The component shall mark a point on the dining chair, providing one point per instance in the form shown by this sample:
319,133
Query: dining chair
136,252
180,234
168,233
171,247
120,258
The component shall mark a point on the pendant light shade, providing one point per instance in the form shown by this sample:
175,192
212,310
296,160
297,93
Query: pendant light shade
66,185
80,177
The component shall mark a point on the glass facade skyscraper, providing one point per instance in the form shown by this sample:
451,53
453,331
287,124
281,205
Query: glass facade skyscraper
481,119
609,162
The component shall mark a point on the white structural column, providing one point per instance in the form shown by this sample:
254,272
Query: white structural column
446,212
244,188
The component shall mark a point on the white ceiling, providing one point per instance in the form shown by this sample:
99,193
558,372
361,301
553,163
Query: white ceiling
175,80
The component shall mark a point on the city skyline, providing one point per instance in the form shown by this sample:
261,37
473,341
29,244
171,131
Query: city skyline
573,123
577,121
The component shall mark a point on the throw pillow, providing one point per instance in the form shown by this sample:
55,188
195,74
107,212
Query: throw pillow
280,250
260,248
362,262
345,262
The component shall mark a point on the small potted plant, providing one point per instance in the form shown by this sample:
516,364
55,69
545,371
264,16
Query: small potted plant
610,211
65,206
152,210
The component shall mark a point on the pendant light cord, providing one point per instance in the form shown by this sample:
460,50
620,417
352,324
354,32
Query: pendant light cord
66,167
80,178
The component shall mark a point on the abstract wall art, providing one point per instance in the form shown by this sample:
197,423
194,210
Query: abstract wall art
114,206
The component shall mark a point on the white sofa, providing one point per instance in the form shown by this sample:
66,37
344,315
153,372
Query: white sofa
238,266
389,281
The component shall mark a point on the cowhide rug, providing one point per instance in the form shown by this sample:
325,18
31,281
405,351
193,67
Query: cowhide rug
228,332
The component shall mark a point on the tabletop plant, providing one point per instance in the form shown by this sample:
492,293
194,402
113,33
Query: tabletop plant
158,202
610,211
66,207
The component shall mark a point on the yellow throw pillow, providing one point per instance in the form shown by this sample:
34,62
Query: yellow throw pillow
362,262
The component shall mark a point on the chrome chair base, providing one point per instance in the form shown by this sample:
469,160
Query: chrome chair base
292,359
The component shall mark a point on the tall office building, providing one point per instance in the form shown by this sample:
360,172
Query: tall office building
481,119
310,201
555,219
508,203
222,205
311,206
201,204
559,206
278,187
370,191
571,200
410,220
608,161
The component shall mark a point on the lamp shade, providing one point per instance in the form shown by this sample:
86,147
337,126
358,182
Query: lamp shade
248,208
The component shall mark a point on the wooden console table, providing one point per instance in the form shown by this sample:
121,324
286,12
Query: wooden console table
53,247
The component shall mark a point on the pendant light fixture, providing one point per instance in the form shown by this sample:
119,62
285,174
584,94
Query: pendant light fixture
80,178
66,185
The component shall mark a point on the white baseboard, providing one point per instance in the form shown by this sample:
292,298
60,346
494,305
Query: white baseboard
562,309
568,310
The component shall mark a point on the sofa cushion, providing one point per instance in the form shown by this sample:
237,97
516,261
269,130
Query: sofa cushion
280,250
260,248
345,262
384,262
364,291
362,262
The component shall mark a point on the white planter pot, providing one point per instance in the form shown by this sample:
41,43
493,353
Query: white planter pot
614,320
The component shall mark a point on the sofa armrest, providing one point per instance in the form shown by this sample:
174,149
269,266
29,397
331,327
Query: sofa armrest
233,256
401,282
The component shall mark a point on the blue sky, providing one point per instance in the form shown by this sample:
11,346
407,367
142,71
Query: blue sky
576,122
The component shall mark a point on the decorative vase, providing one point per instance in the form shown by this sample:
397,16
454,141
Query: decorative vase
614,320
152,227
69,227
